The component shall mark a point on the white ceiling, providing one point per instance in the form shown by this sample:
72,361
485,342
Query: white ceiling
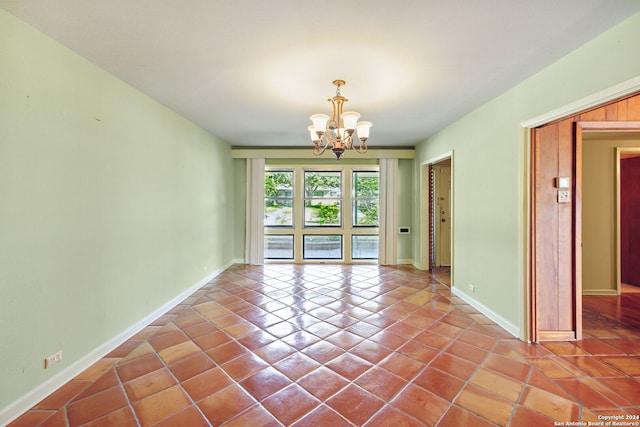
252,71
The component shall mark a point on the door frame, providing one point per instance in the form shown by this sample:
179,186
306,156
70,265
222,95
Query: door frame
579,127
601,98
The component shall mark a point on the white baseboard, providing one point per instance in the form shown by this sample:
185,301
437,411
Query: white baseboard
239,261
500,321
608,292
405,261
417,265
29,400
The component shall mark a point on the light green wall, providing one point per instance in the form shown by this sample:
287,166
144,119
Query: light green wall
405,211
111,205
599,263
489,166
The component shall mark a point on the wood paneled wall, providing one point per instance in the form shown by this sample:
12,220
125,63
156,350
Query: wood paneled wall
556,229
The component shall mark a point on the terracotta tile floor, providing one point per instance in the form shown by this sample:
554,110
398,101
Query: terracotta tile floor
341,346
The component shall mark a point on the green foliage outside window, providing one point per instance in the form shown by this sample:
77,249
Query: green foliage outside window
366,193
328,214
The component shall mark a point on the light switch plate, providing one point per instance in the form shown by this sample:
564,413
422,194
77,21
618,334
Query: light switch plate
564,196
563,182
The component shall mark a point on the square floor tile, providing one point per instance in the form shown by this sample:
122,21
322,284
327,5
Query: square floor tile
97,405
323,383
381,382
389,339
290,404
439,383
486,404
296,365
355,404
323,416
402,366
207,383
323,351
421,404
161,405
244,366
149,384
225,404
265,383
349,366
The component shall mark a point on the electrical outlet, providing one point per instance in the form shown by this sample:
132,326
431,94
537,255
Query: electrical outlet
52,359
472,288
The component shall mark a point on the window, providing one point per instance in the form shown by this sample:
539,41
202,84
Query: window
364,246
278,200
322,199
278,246
316,214
366,198
318,246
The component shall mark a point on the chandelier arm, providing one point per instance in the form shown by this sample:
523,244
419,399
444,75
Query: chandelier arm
348,142
327,141
319,149
362,147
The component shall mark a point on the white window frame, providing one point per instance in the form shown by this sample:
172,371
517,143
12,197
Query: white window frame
347,229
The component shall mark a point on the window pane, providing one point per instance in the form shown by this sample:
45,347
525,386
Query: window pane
322,185
366,184
322,213
365,212
278,246
322,203
278,200
366,198
278,212
322,247
364,247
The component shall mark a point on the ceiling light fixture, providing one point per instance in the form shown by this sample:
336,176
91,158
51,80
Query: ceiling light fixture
337,132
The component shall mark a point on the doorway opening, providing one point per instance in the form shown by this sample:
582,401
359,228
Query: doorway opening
437,213
441,214
611,232
610,189
555,246
628,164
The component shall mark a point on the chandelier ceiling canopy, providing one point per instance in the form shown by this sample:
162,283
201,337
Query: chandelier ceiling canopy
336,132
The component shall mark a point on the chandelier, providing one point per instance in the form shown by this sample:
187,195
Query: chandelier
336,132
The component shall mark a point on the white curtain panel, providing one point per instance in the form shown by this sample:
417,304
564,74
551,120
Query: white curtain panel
254,244
388,244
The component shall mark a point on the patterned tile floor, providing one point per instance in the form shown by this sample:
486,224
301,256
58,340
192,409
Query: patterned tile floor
342,346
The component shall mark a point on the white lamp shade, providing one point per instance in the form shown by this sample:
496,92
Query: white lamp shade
319,122
312,133
363,129
349,119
